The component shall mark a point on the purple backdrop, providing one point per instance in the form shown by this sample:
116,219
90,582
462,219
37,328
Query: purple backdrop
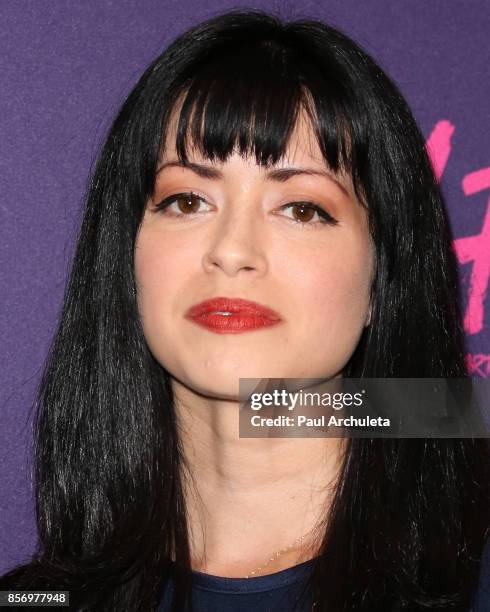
65,68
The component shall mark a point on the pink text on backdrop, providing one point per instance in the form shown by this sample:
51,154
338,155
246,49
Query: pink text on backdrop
473,249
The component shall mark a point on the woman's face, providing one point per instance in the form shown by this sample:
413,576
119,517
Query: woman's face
242,235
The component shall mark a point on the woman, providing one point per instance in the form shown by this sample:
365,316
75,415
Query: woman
277,165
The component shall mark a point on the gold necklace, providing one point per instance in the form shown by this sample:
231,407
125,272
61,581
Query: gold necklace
279,553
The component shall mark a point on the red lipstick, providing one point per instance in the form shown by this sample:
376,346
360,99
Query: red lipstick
224,315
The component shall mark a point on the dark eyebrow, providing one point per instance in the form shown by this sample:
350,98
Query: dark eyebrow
283,174
280,174
201,170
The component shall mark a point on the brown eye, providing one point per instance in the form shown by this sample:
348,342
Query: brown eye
188,202
183,204
304,212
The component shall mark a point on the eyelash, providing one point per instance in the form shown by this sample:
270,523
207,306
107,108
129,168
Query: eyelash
324,217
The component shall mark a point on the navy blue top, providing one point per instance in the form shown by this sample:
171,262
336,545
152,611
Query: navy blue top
482,599
269,593
277,592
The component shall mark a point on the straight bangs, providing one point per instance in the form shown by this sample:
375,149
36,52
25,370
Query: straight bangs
248,99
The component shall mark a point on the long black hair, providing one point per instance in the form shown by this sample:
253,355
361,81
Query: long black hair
409,519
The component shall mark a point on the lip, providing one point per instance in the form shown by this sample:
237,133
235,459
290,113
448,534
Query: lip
246,315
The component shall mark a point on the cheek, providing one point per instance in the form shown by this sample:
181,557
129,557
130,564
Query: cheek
332,303
158,271
343,290
335,287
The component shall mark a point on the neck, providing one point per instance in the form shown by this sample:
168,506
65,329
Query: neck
247,498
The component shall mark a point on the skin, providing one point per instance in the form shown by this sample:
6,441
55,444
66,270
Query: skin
249,497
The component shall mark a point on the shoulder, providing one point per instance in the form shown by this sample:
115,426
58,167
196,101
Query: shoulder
13,579
26,578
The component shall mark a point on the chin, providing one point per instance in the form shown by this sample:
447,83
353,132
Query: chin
226,385
226,390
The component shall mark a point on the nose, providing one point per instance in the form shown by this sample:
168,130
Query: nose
236,244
